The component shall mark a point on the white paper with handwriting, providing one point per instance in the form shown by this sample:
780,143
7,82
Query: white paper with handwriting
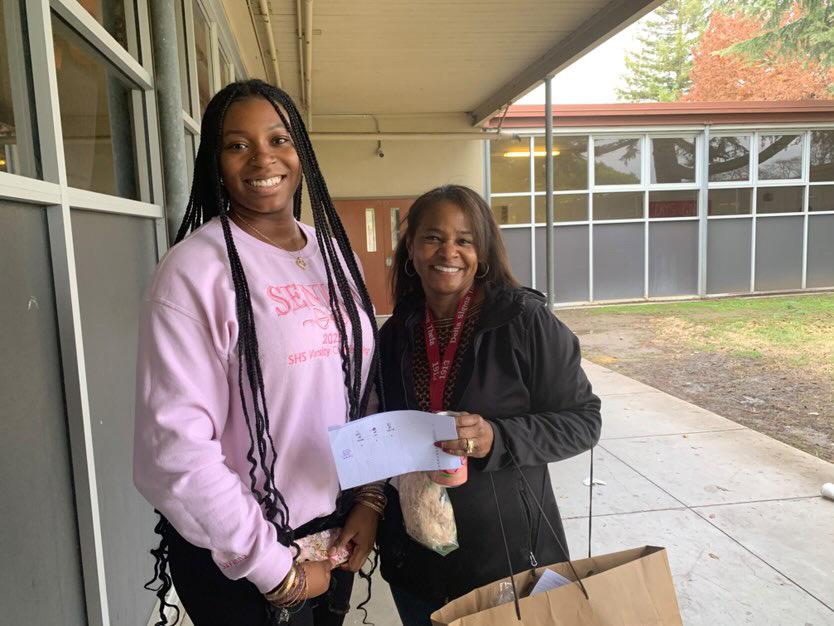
387,444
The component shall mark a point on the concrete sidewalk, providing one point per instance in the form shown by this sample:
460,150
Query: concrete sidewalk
749,539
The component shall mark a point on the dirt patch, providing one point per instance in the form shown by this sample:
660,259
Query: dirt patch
789,396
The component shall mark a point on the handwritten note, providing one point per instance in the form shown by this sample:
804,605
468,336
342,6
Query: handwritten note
387,444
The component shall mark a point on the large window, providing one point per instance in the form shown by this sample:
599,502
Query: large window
97,117
18,148
641,192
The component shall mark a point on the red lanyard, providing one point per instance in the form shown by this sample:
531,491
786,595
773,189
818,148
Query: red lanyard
440,371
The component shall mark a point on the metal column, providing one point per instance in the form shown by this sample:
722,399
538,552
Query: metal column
703,213
548,152
169,103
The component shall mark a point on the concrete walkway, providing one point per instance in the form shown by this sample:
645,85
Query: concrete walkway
749,539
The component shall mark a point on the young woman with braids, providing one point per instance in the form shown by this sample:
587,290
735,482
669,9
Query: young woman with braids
256,335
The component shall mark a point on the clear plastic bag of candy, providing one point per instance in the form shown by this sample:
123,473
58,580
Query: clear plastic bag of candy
427,512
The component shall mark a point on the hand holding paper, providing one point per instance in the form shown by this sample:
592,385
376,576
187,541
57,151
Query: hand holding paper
388,444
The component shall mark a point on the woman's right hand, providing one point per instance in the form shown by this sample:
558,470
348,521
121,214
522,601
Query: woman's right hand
318,576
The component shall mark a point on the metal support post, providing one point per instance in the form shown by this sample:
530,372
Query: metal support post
169,103
548,151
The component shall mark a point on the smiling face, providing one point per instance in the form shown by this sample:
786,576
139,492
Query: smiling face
444,255
258,162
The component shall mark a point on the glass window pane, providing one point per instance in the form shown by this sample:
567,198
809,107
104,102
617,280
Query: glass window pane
111,15
618,206
513,210
97,117
821,198
509,165
673,160
40,574
18,149
780,157
673,203
729,201
779,199
185,75
822,155
225,76
570,163
616,161
201,47
729,158
572,207
189,154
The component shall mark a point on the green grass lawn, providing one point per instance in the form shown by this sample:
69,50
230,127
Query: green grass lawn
796,330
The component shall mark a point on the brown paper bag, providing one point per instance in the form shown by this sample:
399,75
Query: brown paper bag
632,587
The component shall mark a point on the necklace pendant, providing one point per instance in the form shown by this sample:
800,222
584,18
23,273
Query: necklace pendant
301,262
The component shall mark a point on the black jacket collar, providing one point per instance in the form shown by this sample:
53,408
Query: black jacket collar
500,305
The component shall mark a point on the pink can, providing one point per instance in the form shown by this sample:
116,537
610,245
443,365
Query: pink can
451,477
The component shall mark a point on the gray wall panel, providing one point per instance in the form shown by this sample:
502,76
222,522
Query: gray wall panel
618,261
115,256
673,258
820,251
778,253
40,572
728,255
571,261
517,241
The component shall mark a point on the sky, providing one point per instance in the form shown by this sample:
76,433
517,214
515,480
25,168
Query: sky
591,79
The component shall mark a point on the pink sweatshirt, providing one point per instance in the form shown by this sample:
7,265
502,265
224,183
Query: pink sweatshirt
190,434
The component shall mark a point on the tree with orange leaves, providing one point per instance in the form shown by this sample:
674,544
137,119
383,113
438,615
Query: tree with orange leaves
720,72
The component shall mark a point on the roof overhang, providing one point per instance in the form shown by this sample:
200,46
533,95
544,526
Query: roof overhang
400,58
669,114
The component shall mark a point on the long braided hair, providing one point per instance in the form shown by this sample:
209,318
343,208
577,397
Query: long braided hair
209,199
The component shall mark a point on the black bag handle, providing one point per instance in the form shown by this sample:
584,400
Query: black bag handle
591,502
549,525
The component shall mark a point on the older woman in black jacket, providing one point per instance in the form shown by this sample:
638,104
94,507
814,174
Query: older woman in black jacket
514,374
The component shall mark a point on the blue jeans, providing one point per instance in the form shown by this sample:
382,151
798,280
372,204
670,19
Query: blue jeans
414,611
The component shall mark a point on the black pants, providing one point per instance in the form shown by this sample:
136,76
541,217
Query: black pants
211,599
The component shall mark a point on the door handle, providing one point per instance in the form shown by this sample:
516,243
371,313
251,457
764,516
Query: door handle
389,261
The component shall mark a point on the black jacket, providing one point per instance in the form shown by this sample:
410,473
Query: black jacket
521,371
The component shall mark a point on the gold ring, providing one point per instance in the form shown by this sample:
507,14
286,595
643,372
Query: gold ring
470,446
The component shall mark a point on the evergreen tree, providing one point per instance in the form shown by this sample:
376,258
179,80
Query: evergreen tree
659,69
793,30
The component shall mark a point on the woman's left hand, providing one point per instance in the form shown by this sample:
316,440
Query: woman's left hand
358,535
474,433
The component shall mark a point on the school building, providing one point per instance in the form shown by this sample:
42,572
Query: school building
100,109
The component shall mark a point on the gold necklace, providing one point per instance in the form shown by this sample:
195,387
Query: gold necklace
299,260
